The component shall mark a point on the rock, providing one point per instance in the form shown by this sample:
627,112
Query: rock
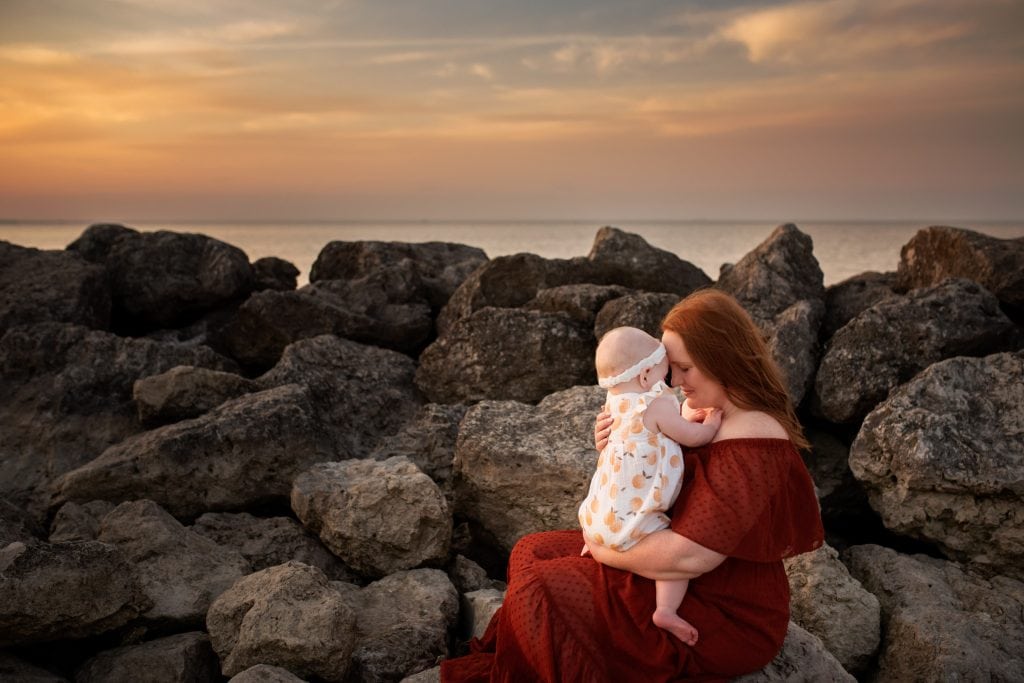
828,602
271,272
845,300
379,517
74,522
240,455
942,459
940,622
51,286
895,339
15,669
468,576
479,607
510,354
432,675
803,659
627,259
15,525
782,287
522,468
362,393
580,302
402,624
181,658
184,392
844,504
644,310
428,440
288,616
65,590
939,252
268,542
181,571
264,673
97,241
68,396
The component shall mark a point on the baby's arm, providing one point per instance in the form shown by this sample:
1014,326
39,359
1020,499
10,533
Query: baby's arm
663,415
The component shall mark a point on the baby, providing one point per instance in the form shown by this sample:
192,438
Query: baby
640,471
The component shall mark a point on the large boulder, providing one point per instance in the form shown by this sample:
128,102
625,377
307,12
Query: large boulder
44,286
643,310
523,468
803,659
185,392
627,259
180,658
505,353
289,616
942,459
271,272
240,455
79,522
379,517
16,525
782,287
428,440
896,338
582,302
940,622
68,396
845,300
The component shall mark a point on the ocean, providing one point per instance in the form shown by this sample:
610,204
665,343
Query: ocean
843,249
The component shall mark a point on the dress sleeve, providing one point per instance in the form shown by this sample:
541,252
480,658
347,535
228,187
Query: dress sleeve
751,499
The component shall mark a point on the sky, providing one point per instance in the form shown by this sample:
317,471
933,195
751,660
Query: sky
473,109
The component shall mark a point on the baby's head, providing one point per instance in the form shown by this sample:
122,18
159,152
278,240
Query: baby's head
630,351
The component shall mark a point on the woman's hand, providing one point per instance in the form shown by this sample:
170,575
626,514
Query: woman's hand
602,429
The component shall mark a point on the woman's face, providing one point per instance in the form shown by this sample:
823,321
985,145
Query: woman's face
701,391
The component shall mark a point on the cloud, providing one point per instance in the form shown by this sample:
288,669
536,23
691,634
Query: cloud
36,55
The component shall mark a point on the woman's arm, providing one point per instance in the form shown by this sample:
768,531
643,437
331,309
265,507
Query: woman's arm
663,555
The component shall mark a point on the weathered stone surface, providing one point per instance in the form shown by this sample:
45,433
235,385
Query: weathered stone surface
942,459
288,616
842,498
580,302
627,259
828,602
239,455
431,675
895,339
184,392
264,673
361,393
940,622
938,252
803,659
43,286
74,522
500,353
180,571
644,310
845,300
275,273
468,576
402,624
65,590
268,542
14,669
16,525
478,607
96,242
428,441
68,396
524,468
181,658
379,517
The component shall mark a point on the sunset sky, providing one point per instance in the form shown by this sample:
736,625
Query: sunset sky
447,109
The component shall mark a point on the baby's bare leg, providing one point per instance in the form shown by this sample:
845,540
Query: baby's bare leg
669,595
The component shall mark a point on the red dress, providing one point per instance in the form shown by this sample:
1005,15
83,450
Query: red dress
569,618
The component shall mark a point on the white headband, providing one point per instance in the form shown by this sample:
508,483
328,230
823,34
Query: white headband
645,364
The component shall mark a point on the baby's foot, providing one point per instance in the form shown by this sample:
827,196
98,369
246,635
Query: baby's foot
676,625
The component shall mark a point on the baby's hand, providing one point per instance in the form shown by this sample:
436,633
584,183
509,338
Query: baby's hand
586,549
692,414
602,429
713,417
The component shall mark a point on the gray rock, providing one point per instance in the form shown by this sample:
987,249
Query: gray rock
468,576
289,616
522,468
895,339
15,669
428,440
500,353
479,607
627,259
803,659
16,525
184,392
845,300
181,658
264,673
942,459
828,602
379,517
940,622
74,522
644,310
96,242
432,675
242,454
65,590
271,272
580,302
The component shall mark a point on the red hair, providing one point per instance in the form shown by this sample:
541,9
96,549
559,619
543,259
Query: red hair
726,345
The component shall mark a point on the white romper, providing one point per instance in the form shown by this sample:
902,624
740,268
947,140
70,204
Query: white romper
639,474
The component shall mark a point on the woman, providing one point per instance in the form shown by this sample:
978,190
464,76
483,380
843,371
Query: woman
747,502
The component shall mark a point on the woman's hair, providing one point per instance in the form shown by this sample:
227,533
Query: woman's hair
726,345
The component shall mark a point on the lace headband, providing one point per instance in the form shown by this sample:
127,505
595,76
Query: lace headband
645,364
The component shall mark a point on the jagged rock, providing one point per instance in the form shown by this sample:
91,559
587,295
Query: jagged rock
580,302
43,286
428,441
379,517
895,339
362,393
289,616
65,590
468,576
239,455
940,622
938,252
479,607
68,396
402,624
500,353
782,287
15,669
522,468
845,300
627,259
97,241
828,602
184,392
181,658
644,310
268,542
803,659
942,459
264,673
74,522
271,272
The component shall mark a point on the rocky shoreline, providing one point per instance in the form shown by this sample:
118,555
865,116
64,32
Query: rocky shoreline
208,474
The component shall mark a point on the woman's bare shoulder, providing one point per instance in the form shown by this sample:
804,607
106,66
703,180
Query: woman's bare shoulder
751,424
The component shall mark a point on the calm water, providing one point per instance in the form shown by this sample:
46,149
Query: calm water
842,249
